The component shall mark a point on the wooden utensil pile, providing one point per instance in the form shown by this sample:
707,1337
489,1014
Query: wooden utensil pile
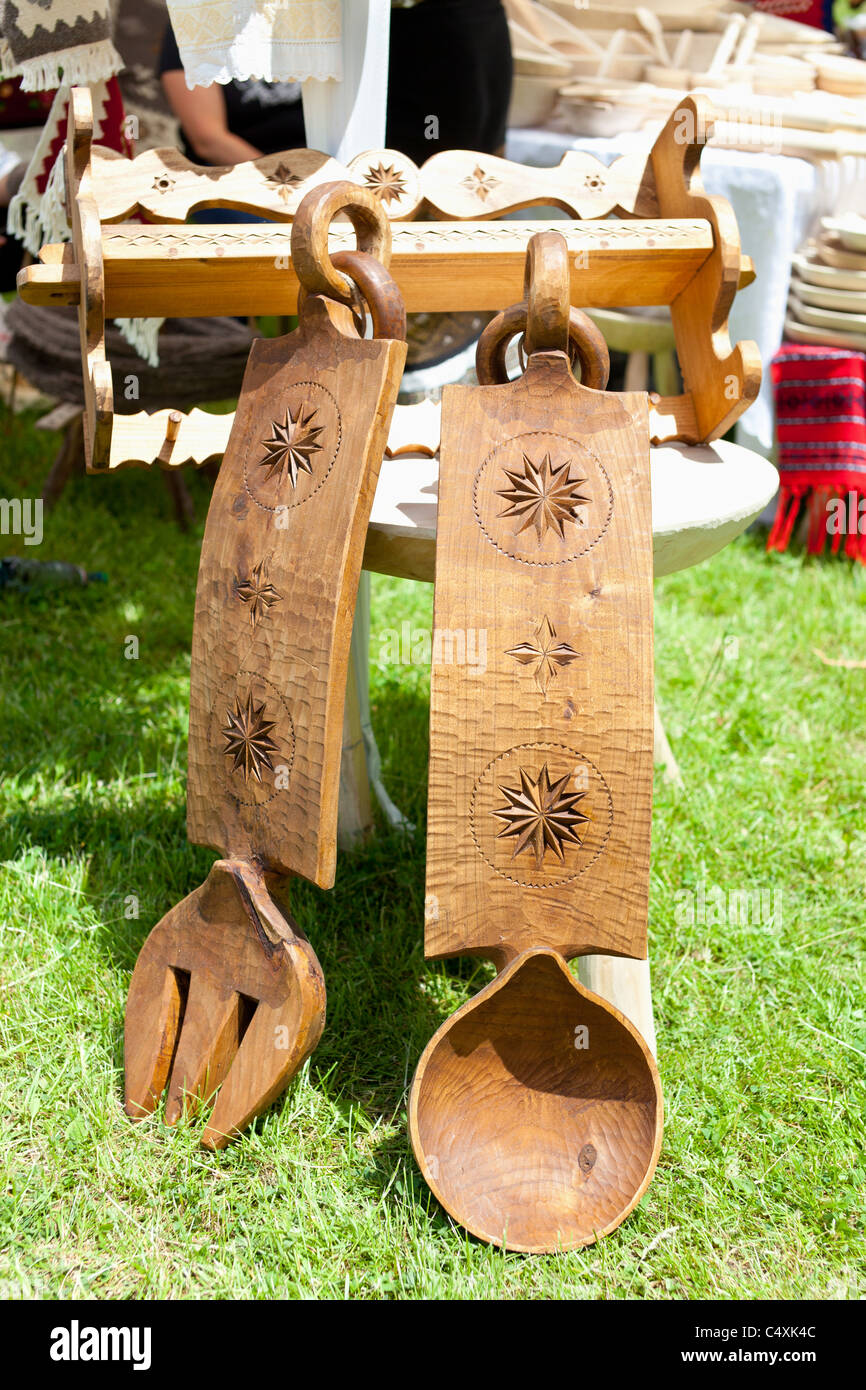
827,300
598,71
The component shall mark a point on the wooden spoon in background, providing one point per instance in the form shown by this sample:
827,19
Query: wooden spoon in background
227,991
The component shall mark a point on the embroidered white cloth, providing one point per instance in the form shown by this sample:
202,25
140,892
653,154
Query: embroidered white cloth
276,40
47,42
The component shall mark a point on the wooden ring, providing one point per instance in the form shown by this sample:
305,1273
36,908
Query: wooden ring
313,264
373,290
585,342
378,289
547,292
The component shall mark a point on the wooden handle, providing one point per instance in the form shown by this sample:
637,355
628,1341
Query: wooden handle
541,693
313,265
279,571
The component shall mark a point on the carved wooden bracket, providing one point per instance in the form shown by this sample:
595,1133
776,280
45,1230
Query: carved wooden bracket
643,233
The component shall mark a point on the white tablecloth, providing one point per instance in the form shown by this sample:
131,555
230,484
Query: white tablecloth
775,199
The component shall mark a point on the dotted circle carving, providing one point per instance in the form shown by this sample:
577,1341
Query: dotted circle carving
527,547
277,493
498,851
251,792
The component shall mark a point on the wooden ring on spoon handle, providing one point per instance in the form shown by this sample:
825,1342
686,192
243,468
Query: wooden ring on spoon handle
585,341
547,292
312,262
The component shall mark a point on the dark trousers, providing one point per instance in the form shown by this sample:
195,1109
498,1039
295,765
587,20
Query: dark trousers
449,77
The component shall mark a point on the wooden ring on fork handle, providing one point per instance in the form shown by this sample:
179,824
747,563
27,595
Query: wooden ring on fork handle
585,342
314,267
373,290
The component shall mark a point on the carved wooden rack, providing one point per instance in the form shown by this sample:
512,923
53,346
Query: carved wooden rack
642,232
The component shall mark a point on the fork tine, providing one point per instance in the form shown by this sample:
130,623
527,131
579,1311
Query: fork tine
275,1046
154,1012
208,1041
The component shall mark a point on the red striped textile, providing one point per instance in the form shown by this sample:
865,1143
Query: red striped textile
820,395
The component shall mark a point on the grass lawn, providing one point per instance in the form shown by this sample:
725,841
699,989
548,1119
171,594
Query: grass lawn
759,1192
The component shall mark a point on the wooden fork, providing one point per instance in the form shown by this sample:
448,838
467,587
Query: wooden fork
227,992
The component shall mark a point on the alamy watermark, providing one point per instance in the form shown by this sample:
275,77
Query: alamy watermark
846,515
443,646
735,907
77,1343
22,516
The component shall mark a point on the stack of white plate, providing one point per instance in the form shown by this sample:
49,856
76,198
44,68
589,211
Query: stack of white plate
827,302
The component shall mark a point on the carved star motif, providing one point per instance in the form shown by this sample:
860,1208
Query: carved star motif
543,496
389,184
163,183
541,815
248,738
292,445
545,653
479,183
257,592
283,180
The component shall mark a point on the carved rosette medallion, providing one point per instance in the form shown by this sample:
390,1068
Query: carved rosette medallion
291,458
386,181
541,814
543,498
252,736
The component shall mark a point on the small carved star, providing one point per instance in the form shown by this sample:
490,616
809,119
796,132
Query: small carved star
283,180
541,815
546,653
593,181
292,445
163,183
389,184
248,738
543,496
479,183
257,592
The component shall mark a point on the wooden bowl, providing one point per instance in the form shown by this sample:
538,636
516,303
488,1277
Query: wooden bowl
678,78
849,229
586,117
844,301
529,1141
625,67
813,271
540,65
843,76
532,99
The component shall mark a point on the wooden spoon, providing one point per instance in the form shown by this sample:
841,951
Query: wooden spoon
536,1111
227,991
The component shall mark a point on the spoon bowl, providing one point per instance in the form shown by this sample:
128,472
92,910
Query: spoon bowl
536,1111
